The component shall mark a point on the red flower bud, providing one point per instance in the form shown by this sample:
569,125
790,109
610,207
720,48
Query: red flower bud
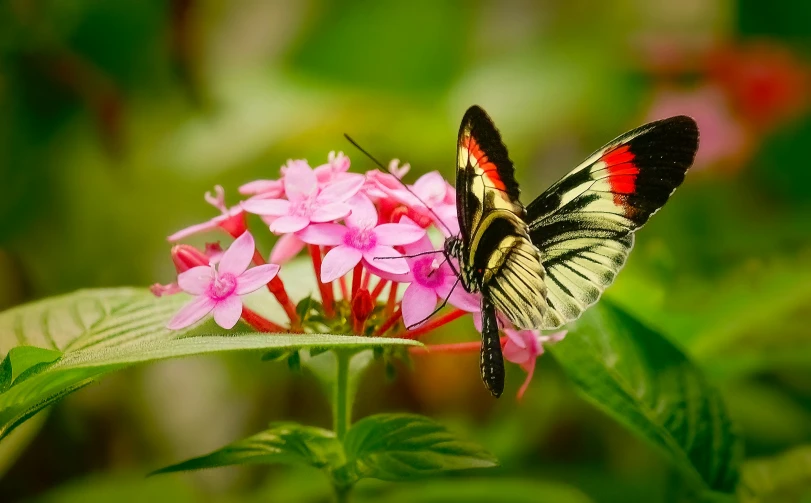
362,306
186,256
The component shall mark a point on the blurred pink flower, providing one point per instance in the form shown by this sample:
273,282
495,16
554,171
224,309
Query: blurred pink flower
231,221
361,239
524,347
305,202
723,137
766,82
218,288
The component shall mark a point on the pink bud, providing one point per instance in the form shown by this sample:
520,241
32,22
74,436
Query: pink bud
186,256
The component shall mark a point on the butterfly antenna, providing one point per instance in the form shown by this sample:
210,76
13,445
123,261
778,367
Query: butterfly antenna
383,169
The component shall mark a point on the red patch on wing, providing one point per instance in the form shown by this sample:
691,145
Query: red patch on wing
490,170
621,173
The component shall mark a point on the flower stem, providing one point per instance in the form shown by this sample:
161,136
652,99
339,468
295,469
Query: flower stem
442,320
327,298
460,347
394,318
276,287
392,298
342,411
259,322
357,275
341,402
379,288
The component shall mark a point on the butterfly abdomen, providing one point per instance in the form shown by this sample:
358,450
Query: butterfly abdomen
491,361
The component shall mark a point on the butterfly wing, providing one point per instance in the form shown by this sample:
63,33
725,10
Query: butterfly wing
485,176
497,256
584,223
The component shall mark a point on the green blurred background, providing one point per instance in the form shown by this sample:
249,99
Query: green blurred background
116,116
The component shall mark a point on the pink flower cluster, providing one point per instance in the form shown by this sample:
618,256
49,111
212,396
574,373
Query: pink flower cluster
367,236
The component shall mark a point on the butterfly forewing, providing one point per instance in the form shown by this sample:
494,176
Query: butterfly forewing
583,224
496,255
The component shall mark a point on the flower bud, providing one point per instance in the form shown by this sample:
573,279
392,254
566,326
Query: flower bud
362,306
186,256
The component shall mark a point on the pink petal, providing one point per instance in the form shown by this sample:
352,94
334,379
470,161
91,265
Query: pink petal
255,278
289,223
398,234
191,313
431,188
238,256
419,246
446,219
364,214
227,311
195,229
330,212
341,190
196,280
459,297
391,265
323,234
287,247
530,368
299,181
268,188
339,261
418,303
268,207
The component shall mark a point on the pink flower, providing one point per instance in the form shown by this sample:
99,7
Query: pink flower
335,169
305,202
287,247
724,140
431,198
231,221
361,239
524,347
218,288
431,279
186,257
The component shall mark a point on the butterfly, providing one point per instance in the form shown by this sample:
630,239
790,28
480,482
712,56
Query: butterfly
542,265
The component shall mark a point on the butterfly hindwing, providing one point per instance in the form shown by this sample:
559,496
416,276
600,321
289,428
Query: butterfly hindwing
584,223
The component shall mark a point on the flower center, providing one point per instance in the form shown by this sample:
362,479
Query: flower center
222,286
427,272
363,239
302,208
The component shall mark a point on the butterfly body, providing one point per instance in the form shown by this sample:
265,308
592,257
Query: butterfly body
543,265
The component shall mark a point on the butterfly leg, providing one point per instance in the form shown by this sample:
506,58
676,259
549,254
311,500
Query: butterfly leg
491,362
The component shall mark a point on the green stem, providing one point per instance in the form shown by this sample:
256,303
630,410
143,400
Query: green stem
342,410
342,494
341,403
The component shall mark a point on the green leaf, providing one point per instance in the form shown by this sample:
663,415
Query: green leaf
285,443
486,491
99,331
786,477
22,359
643,381
404,446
